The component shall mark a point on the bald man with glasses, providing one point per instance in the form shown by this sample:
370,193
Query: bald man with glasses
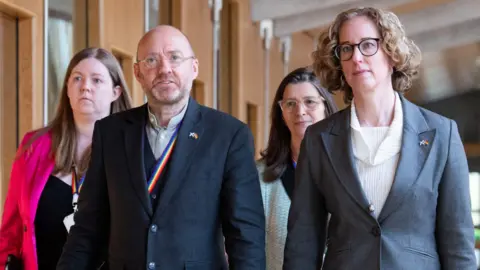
171,184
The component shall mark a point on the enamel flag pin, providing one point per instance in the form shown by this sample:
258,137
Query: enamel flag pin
193,135
424,142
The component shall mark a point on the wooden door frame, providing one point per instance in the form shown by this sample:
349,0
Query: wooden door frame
127,68
25,77
28,104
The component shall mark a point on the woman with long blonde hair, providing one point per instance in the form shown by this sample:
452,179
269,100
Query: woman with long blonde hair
51,162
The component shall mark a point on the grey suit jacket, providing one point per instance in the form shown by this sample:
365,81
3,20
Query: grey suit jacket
426,222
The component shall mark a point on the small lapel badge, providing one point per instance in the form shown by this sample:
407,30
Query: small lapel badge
424,142
193,135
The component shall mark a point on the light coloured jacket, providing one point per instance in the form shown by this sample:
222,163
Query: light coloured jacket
277,205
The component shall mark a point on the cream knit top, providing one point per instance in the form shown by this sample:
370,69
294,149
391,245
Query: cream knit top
376,152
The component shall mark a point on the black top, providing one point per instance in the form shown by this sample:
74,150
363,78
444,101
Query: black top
288,179
54,205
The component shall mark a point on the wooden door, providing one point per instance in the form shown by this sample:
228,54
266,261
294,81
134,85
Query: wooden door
8,100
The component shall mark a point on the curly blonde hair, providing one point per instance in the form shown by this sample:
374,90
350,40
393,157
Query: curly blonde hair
403,52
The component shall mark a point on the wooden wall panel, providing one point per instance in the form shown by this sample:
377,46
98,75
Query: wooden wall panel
252,74
276,69
237,62
30,66
79,21
126,60
95,15
302,48
118,25
225,61
17,48
8,100
197,25
123,22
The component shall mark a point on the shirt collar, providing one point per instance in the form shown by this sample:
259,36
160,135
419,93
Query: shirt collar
391,143
152,119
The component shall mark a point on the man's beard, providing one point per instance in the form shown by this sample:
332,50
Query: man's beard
166,101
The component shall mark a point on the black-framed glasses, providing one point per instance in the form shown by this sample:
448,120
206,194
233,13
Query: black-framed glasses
367,47
174,59
291,105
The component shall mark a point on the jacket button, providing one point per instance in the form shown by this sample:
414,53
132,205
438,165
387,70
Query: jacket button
151,265
153,228
376,231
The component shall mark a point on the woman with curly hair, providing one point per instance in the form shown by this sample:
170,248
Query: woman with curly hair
393,176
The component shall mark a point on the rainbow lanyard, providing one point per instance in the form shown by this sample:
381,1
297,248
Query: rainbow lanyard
162,161
76,185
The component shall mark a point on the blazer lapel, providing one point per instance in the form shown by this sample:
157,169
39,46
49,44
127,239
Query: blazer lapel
339,149
189,136
134,139
417,140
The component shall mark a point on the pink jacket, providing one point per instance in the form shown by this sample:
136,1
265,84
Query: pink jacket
30,172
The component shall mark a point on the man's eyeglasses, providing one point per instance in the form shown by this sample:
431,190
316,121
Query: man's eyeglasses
367,47
291,105
155,60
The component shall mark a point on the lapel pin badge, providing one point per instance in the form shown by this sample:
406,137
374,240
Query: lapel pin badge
424,142
193,135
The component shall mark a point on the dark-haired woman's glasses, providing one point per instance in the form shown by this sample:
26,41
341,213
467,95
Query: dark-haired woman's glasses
291,105
367,47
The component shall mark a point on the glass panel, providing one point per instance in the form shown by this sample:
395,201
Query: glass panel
153,13
67,34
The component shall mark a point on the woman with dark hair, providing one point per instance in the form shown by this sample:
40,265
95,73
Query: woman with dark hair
51,162
299,103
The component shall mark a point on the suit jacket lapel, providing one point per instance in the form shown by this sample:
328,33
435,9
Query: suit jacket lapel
339,149
417,140
134,139
189,136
